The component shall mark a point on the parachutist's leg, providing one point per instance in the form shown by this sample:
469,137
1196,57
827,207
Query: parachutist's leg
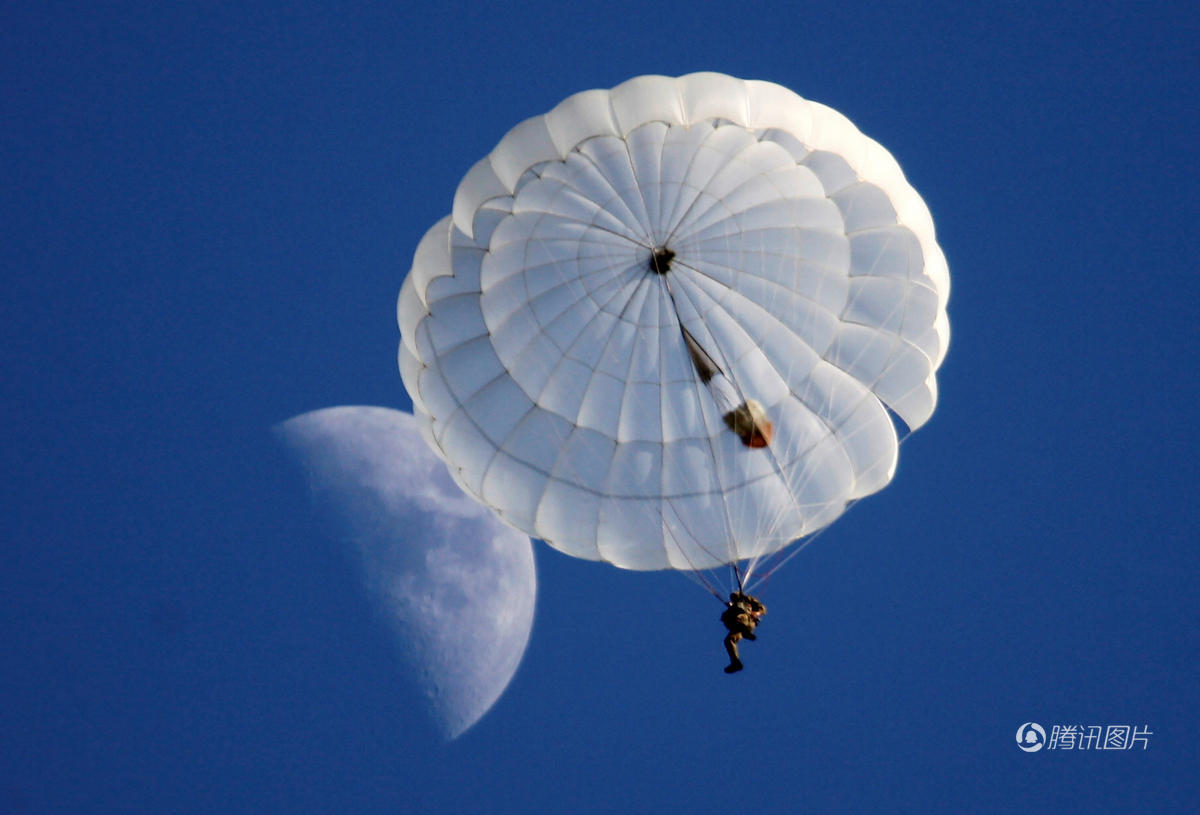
735,664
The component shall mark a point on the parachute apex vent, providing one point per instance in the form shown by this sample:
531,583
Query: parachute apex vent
660,261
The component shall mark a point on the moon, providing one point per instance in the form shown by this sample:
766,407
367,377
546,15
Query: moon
455,585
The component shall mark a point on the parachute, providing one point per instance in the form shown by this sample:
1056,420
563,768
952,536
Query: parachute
677,324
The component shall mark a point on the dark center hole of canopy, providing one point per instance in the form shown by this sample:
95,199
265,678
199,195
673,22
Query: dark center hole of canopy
660,260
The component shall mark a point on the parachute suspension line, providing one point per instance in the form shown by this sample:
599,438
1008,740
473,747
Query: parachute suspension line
731,555
737,573
776,464
867,394
706,368
808,540
742,579
791,489
644,507
660,264
693,573
900,440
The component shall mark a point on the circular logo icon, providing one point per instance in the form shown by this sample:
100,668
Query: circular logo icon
1031,737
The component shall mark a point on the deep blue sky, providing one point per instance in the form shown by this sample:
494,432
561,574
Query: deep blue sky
207,214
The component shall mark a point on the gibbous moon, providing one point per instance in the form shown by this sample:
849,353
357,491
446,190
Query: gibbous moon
455,584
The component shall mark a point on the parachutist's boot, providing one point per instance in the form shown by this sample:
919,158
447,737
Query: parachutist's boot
750,637
734,667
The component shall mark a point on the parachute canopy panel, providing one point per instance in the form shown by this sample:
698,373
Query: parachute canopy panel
666,324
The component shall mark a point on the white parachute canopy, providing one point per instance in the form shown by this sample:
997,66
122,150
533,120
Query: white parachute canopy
670,325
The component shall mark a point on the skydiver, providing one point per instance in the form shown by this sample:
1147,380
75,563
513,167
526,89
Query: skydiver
741,616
